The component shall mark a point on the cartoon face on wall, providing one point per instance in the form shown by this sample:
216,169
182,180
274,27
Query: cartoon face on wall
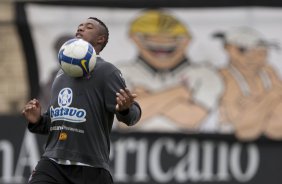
164,77
161,39
246,48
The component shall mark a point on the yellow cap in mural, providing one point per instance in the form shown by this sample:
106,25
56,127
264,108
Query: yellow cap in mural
158,22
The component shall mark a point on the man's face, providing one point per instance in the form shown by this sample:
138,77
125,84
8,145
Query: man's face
254,58
162,51
90,31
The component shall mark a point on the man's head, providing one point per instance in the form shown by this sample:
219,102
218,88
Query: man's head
246,47
160,38
95,32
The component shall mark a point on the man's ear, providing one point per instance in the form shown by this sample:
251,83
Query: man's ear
101,39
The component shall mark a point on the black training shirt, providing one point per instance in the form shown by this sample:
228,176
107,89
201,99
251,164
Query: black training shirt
81,115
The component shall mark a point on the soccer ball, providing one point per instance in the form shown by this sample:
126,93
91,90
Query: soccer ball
77,58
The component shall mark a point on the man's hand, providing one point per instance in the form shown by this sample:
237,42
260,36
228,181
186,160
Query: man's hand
32,111
124,99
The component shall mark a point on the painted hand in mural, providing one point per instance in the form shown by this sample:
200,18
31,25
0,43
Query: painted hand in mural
175,103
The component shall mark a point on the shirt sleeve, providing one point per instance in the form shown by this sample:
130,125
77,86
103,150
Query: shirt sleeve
114,83
132,116
42,126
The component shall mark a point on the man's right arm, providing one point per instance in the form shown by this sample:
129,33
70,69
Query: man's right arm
37,123
40,127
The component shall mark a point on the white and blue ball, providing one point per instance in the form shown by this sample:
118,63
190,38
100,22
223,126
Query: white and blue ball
77,58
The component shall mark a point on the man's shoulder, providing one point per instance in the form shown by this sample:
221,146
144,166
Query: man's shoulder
102,62
104,67
59,73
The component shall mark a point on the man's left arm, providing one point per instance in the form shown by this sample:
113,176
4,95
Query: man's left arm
131,115
120,100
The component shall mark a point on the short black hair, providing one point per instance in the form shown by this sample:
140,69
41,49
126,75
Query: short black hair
106,31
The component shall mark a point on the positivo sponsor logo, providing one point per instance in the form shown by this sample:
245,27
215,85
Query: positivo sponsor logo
70,114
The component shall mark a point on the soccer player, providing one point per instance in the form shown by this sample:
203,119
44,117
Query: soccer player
80,118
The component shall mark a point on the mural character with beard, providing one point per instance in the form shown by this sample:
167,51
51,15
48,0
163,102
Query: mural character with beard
175,93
